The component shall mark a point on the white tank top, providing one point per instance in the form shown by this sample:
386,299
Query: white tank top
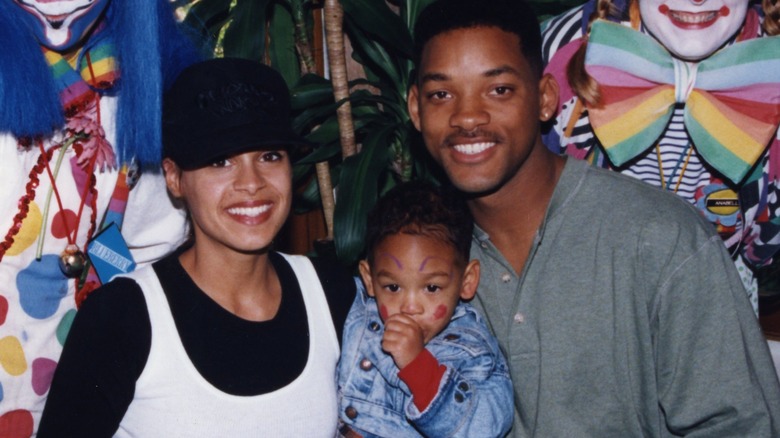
173,400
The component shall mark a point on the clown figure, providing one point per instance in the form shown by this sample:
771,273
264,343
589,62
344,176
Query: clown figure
683,95
80,85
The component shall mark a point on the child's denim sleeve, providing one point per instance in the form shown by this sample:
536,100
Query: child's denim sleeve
475,397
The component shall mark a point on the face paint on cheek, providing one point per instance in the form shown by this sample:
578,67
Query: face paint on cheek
383,312
693,31
441,312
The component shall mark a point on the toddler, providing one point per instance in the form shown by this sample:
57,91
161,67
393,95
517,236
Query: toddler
416,359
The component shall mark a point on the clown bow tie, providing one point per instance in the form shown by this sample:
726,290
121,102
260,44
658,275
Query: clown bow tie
732,98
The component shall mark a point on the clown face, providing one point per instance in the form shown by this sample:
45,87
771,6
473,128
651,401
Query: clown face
693,29
61,24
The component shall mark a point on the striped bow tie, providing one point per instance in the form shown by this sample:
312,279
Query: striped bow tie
732,98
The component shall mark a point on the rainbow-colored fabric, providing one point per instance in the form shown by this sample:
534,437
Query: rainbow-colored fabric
96,69
732,98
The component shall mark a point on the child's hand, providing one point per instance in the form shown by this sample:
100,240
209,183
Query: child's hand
403,339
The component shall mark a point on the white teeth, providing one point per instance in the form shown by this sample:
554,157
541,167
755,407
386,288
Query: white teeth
690,18
249,211
474,148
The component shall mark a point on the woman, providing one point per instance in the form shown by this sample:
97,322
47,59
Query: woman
225,337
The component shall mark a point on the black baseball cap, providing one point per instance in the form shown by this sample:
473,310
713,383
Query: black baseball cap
225,106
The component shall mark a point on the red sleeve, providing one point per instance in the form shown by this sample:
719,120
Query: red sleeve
422,376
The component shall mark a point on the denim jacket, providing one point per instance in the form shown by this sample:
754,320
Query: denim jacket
474,398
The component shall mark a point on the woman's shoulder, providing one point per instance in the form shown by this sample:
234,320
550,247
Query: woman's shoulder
337,283
334,277
112,322
117,308
120,294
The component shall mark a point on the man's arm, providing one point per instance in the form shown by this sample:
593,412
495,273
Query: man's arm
715,374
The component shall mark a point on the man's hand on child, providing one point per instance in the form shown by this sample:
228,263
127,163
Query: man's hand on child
403,339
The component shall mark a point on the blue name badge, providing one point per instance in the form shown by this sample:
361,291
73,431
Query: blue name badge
109,254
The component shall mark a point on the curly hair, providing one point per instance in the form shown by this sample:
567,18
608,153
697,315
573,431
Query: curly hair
421,209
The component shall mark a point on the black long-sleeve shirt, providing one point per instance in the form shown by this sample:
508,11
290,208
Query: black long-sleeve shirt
110,339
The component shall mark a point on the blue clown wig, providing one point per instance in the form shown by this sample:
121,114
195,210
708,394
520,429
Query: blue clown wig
150,49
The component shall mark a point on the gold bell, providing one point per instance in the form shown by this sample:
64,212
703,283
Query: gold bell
72,261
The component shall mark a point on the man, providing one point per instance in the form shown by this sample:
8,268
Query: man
612,326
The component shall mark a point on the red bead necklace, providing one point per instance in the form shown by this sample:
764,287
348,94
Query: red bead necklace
72,260
24,201
30,191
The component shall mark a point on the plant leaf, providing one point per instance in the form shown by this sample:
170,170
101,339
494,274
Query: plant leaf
324,152
362,97
281,48
245,37
357,193
410,10
372,55
375,18
303,96
208,15
308,119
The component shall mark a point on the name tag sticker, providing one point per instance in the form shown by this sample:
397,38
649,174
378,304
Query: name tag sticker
109,254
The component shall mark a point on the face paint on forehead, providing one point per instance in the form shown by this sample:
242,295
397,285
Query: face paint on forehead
393,258
60,24
425,262
693,29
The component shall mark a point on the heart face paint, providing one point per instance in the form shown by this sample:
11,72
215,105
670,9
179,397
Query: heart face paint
417,276
60,24
440,312
383,312
693,30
